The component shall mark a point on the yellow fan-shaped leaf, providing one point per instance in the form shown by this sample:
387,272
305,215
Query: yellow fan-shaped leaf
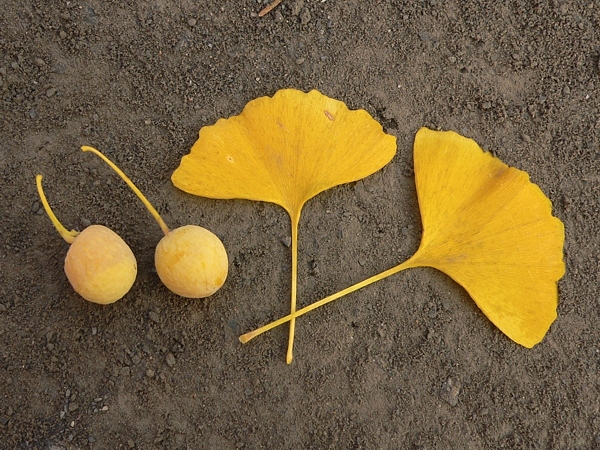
490,229
285,150
486,226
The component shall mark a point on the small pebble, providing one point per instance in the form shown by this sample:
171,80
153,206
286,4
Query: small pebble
278,17
98,399
154,317
35,206
170,360
50,92
94,331
3,71
287,241
566,90
50,346
125,371
450,390
305,16
39,62
362,261
300,61
192,22
486,105
73,407
104,408
14,65
62,35
150,373
424,36
2,307
297,6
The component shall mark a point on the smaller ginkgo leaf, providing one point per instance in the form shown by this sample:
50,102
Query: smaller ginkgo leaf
285,150
487,227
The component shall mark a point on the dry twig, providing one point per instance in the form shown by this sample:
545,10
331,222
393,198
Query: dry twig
267,9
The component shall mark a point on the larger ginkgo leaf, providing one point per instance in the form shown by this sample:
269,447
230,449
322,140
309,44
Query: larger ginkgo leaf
285,150
489,228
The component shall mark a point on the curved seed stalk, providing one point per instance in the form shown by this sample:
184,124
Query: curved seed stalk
133,187
68,236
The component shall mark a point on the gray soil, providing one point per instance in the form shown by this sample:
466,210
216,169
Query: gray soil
409,362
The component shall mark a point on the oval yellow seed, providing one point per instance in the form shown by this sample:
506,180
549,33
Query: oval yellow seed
191,261
100,265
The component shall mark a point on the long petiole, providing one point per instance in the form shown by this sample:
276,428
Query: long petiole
290,350
290,317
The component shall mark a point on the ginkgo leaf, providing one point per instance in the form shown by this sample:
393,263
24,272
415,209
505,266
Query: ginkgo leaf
490,229
487,227
285,150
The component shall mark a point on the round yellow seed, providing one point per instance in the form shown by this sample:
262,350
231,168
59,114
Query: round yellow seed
191,261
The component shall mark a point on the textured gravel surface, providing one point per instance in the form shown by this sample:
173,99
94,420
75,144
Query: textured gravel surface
409,362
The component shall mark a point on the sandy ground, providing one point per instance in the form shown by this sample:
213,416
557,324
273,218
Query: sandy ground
138,79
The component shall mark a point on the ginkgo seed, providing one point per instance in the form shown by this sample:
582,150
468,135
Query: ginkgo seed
99,264
191,261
